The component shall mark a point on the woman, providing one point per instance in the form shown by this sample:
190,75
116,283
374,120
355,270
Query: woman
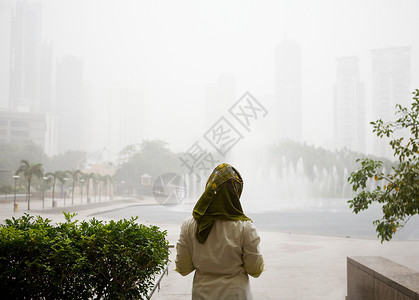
220,242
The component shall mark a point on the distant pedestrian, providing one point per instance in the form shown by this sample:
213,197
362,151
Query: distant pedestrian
220,242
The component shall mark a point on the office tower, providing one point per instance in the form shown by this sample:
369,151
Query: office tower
391,75
6,8
288,90
25,56
45,81
70,105
125,118
349,106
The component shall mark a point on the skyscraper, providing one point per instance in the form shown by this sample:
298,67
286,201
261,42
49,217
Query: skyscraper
349,106
25,60
30,81
288,90
125,125
70,106
45,81
391,75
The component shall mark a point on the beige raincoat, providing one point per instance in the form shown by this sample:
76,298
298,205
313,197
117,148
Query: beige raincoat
224,257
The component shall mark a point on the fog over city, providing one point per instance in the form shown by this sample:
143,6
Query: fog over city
170,53
261,84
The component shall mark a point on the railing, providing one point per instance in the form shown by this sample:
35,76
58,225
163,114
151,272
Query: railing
157,284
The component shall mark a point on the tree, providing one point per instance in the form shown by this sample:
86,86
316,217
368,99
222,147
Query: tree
29,171
75,177
397,191
151,157
12,154
57,175
69,160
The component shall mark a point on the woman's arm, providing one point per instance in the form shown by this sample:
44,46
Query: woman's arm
183,260
252,258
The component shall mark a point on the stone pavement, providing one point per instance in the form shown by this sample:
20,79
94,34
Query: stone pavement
296,266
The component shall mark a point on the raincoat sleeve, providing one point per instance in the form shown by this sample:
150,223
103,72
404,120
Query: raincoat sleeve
252,258
183,261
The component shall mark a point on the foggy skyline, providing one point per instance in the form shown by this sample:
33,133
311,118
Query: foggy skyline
172,52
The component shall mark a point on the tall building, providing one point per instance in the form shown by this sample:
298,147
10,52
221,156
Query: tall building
6,8
70,105
288,90
25,56
391,76
30,80
45,81
125,125
349,106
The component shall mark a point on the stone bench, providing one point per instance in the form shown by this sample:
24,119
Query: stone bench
377,278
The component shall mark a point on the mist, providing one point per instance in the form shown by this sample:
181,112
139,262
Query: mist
108,74
171,53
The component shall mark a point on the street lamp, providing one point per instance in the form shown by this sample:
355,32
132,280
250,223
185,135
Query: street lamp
65,180
81,192
15,177
43,191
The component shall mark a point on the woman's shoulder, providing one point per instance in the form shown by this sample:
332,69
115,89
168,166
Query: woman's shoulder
188,222
242,224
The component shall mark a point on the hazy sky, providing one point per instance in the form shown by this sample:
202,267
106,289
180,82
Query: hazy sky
174,49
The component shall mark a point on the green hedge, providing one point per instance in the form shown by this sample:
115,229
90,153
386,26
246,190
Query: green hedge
79,260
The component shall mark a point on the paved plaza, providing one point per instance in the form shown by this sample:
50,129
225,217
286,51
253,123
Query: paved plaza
297,266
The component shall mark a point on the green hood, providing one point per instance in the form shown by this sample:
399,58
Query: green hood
220,200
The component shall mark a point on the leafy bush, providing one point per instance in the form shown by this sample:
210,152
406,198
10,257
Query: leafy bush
397,190
87,260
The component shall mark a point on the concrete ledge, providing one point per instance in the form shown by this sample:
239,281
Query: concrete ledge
377,278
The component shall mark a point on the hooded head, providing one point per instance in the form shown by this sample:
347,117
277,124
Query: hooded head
220,200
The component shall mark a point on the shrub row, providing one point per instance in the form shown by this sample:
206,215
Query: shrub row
79,260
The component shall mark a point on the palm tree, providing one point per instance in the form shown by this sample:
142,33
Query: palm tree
57,175
30,170
75,176
88,178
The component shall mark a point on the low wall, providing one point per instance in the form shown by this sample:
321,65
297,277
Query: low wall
377,278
